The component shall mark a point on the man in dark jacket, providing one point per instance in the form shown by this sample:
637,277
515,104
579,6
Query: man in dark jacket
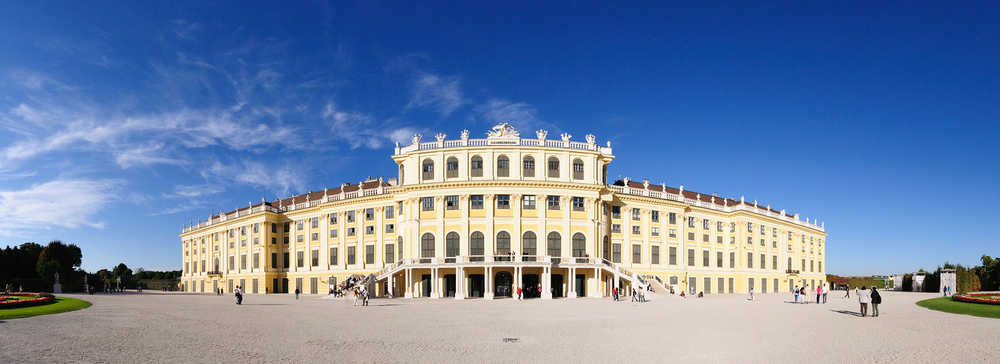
876,299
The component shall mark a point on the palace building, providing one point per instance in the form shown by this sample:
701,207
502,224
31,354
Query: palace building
481,217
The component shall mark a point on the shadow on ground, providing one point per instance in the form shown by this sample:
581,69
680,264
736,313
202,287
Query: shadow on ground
852,313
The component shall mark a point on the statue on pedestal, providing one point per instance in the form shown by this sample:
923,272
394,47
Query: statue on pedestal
57,288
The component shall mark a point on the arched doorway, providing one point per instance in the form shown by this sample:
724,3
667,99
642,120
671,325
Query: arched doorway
504,284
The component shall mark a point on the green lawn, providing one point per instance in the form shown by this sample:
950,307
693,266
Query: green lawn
946,304
62,304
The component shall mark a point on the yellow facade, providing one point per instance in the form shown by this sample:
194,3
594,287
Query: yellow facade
481,217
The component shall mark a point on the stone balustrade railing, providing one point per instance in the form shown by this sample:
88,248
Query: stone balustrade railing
302,205
503,141
694,202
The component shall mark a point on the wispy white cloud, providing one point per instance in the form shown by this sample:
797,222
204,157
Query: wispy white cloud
441,93
145,155
521,115
58,203
278,179
196,190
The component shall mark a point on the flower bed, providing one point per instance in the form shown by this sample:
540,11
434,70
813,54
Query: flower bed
15,300
990,298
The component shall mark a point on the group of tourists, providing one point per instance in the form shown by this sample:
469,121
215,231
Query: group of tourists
239,295
865,297
362,293
821,293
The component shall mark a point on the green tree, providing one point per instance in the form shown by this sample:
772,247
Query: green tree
63,259
990,273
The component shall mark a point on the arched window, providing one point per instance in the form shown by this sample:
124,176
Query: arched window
579,245
577,168
452,167
452,247
428,169
399,247
476,246
555,244
503,242
528,245
503,166
607,248
553,167
427,246
529,167
476,166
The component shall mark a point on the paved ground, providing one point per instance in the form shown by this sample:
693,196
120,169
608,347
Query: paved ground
178,327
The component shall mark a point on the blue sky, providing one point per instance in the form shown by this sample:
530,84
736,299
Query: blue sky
123,121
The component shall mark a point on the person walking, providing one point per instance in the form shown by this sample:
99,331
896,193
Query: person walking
518,293
796,294
856,290
876,300
296,293
819,292
863,299
848,289
239,296
826,289
751,293
355,296
635,298
364,292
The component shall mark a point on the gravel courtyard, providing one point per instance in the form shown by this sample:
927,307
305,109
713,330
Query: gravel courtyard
185,327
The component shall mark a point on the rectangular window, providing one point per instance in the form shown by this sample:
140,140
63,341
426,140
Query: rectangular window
654,216
232,263
690,222
476,166
718,259
616,212
750,240
503,167
274,260
333,233
616,228
390,212
704,258
553,202
636,230
503,202
256,241
350,231
369,214
553,168
654,254
654,231
616,253
452,168
285,240
704,224
256,228
274,241
672,218
749,260
528,202
299,238
314,257
299,225
774,232
636,214
333,256
256,260
672,255
774,262
389,253
427,203
719,227
315,223
476,202
243,242
673,233
691,257
763,261
350,255
333,218
284,260
369,230
718,239
314,236
578,204
300,259
243,261
704,238
789,235
369,254
451,202
732,260
243,232
763,242
691,235
390,228
636,253
529,168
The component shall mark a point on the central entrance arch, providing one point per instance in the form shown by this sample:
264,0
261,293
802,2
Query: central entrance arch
504,283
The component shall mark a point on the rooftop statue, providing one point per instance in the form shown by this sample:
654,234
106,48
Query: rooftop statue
503,130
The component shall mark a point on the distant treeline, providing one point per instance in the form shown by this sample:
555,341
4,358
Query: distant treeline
31,267
985,277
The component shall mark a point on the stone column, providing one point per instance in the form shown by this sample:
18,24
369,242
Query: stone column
459,283
488,290
547,281
434,283
408,291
